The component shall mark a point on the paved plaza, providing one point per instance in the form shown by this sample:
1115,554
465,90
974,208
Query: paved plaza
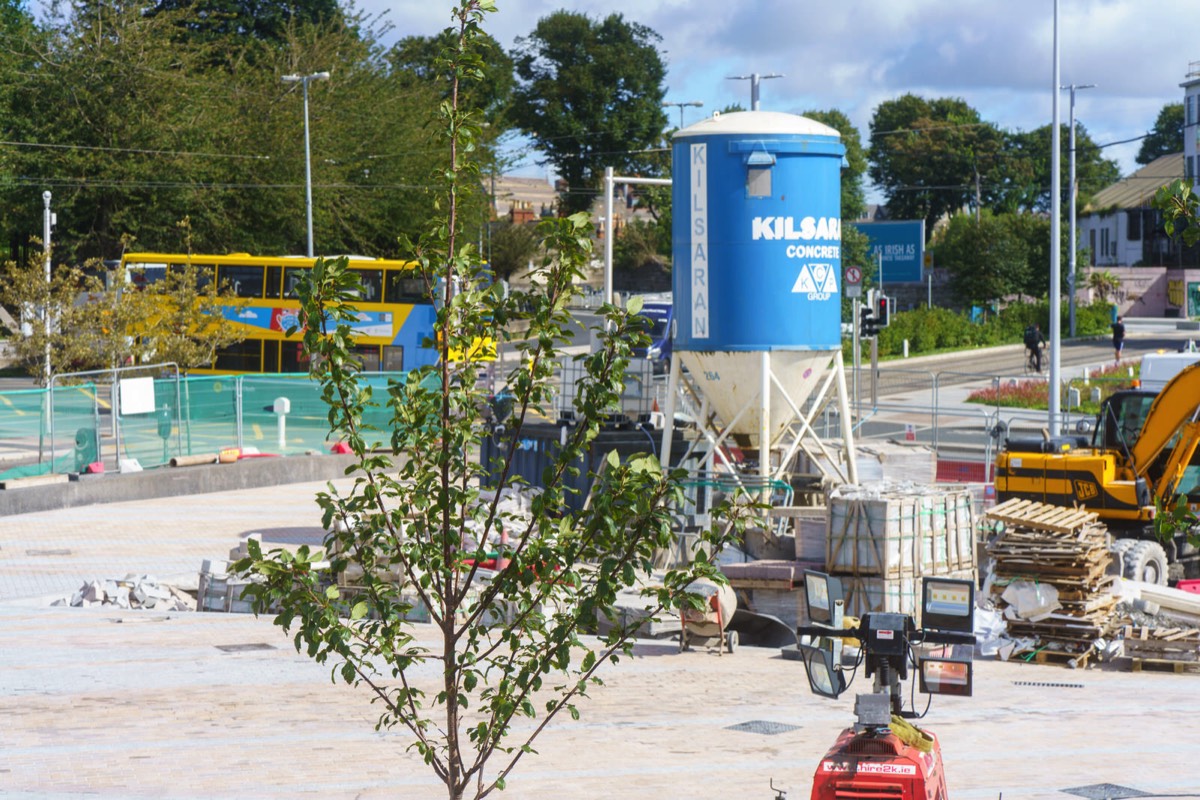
102,702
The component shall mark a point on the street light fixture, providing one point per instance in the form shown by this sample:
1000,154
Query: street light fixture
754,79
303,80
1074,196
681,106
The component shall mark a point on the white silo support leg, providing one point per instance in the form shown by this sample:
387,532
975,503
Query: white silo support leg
847,422
764,423
669,413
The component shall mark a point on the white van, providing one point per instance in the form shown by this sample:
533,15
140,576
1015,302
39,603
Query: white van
1159,368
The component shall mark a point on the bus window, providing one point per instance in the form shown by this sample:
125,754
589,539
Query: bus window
270,361
242,281
241,357
204,274
406,286
393,358
293,358
142,275
291,280
368,357
274,288
372,285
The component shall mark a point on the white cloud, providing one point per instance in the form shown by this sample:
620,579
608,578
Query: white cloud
854,54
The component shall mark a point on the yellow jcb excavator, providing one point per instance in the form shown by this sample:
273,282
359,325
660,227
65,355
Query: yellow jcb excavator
1143,449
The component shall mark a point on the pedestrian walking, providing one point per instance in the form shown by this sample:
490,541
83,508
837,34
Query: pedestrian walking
1118,329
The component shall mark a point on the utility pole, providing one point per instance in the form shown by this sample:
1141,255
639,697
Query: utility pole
1054,401
1074,195
754,79
47,226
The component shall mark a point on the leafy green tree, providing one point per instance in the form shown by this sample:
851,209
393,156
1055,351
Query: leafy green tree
641,244
263,20
1166,137
1030,188
513,248
138,128
590,95
931,158
418,57
986,259
854,203
508,656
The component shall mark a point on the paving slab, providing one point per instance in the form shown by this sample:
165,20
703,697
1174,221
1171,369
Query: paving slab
109,703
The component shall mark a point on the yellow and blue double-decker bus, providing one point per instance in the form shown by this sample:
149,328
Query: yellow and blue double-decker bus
395,315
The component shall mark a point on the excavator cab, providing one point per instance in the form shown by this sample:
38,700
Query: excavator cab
1121,420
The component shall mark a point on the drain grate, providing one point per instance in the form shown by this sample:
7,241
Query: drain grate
763,727
1048,685
1106,791
243,648
62,552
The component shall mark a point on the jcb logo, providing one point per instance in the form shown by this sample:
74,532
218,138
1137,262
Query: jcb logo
1086,490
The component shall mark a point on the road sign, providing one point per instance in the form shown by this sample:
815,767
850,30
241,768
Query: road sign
853,276
853,290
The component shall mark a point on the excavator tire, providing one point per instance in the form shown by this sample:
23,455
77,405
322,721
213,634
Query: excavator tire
1146,562
1118,549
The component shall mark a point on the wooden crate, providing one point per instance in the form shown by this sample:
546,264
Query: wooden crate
894,534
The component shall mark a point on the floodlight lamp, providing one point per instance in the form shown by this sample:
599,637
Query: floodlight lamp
948,604
946,676
823,594
824,676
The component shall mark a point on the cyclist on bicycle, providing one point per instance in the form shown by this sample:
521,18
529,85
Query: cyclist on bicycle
1034,342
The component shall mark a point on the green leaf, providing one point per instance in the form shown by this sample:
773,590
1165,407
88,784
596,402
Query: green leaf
332,593
359,611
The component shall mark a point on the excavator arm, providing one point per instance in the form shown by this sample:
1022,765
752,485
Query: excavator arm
1176,405
1178,461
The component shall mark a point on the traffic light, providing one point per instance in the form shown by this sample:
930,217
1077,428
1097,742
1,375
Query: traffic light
883,311
868,325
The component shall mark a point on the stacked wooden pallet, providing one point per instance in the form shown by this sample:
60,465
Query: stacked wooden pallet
1066,548
1177,649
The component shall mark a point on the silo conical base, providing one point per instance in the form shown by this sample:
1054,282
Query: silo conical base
769,401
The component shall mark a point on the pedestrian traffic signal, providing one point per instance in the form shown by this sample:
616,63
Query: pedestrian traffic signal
883,311
868,325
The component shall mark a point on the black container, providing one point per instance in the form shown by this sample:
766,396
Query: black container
540,443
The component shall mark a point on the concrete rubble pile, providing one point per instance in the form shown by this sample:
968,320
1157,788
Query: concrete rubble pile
220,588
1160,625
1049,580
132,592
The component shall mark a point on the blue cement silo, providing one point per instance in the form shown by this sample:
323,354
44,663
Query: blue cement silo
757,234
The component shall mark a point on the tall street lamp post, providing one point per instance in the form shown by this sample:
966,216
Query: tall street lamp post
681,106
303,80
1074,245
754,79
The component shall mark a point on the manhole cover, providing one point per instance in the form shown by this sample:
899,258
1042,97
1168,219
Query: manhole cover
242,648
47,552
1105,791
1046,685
762,726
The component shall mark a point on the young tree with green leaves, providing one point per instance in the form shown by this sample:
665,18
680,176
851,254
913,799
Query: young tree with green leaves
506,653
590,96
95,324
986,259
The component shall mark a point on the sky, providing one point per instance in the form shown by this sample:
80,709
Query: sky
852,55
